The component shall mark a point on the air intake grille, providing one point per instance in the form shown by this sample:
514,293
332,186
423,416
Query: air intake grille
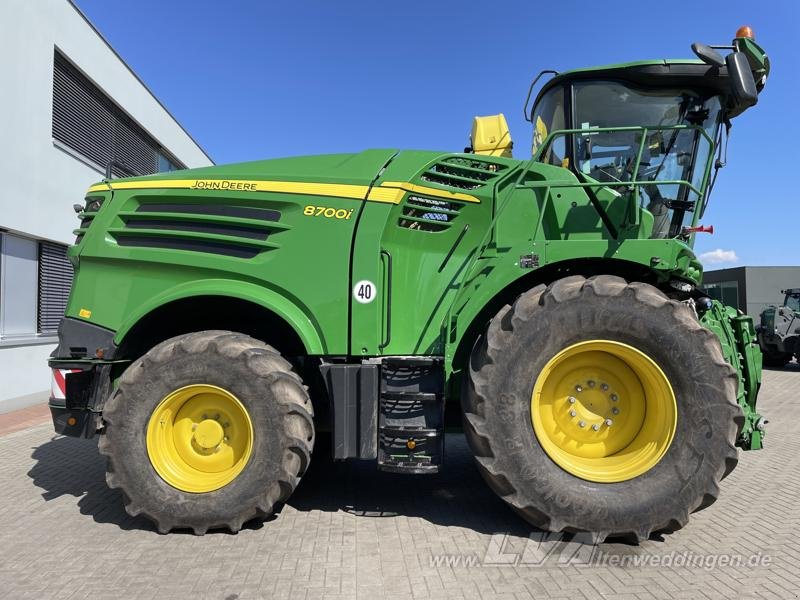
55,280
89,122
228,230
427,214
463,173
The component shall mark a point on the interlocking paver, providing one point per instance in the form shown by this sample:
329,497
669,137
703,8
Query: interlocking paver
351,532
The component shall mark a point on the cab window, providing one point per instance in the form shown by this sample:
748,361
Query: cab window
548,116
675,148
793,302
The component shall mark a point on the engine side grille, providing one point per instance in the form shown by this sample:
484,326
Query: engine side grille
223,229
428,214
463,173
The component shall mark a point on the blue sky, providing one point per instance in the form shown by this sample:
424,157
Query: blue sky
253,79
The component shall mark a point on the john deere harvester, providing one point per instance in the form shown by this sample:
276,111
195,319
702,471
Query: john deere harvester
220,316
779,330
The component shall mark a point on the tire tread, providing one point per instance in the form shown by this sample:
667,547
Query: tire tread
266,364
499,333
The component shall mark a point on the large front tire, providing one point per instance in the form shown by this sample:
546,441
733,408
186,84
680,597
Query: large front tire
207,430
625,351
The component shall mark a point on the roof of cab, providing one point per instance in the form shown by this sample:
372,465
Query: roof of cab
682,72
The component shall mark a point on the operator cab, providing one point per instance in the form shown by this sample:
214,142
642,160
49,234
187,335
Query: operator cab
792,299
648,131
617,129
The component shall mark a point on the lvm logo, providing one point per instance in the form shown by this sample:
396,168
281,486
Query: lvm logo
546,549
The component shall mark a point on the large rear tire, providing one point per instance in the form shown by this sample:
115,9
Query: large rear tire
600,406
207,430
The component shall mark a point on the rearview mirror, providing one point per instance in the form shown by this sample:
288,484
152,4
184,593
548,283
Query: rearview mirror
708,55
743,85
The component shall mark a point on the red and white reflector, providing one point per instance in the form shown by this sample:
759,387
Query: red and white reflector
58,383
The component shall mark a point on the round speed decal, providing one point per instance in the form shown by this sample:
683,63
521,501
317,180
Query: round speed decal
364,291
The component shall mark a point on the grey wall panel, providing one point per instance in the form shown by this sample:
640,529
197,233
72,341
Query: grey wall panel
764,285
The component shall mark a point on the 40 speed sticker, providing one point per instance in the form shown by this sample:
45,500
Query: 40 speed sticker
364,291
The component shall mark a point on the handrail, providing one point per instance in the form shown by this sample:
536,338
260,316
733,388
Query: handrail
634,184
596,184
592,130
388,339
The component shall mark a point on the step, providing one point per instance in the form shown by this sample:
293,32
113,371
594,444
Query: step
395,455
408,468
410,396
412,361
413,432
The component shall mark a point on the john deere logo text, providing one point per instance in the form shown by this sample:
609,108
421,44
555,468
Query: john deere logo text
222,184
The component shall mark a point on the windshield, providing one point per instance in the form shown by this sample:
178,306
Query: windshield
669,153
793,302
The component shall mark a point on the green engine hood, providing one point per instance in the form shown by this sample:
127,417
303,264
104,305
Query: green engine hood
360,168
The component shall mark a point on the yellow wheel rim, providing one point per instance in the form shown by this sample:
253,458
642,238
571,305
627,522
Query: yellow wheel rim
199,438
603,411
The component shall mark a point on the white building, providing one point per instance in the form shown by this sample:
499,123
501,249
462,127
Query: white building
69,105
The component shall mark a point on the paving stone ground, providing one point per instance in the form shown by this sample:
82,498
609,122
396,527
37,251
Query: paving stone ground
351,532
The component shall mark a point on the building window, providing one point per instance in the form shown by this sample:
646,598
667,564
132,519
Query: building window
35,279
726,292
90,123
18,282
166,164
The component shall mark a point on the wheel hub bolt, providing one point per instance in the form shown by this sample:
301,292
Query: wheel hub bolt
581,423
604,387
571,399
615,410
578,388
596,427
572,413
614,397
609,422
590,383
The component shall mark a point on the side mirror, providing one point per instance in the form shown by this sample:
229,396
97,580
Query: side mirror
708,55
743,85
